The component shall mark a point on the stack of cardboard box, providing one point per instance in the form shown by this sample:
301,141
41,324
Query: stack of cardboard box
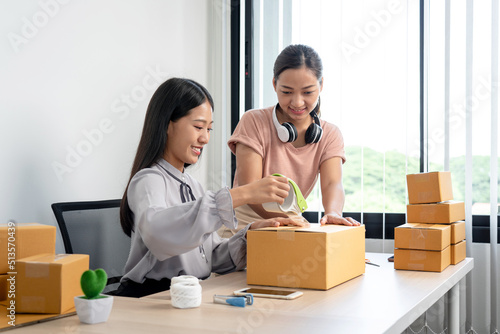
48,283
18,241
33,279
434,236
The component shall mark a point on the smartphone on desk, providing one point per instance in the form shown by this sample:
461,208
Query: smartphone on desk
269,293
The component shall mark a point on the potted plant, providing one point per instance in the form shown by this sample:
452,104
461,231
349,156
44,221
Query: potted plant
93,307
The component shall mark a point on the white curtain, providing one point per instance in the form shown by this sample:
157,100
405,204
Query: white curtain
217,156
461,103
370,52
481,66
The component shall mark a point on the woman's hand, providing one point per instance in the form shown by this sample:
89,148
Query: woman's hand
333,218
280,221
269,189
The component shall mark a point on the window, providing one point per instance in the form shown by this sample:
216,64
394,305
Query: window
450,96
371,52
413,85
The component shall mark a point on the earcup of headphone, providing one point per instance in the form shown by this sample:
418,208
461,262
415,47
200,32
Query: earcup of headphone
313,133
287,132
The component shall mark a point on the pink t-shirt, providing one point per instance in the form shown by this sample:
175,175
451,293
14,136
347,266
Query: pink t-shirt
256,130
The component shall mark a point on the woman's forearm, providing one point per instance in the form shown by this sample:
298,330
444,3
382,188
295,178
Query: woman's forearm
333,198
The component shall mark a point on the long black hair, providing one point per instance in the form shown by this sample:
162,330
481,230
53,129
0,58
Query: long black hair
297,56
172,100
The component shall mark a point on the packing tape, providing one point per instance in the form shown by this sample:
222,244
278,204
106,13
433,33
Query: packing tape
417,260
288,280
37,269
58,257
289,204
185,294
423,178
425,195
285,234
35,304
418,239
294,203
427,215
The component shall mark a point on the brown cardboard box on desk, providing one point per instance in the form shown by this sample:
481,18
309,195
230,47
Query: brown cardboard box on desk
319,257
430,187
47,283
458,252
422,260
424,247
422,236
30,239
458,248
457,232
435,213
430,197
3,287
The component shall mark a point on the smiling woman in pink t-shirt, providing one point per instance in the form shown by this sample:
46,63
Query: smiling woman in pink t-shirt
290,139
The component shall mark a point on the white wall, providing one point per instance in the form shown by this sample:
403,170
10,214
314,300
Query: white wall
75,81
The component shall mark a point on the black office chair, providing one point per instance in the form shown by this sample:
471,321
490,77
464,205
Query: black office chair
94,228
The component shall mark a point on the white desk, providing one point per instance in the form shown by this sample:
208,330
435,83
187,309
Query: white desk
383,300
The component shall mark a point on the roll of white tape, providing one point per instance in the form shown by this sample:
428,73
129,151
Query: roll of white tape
287,206
185,295
294,203
184,279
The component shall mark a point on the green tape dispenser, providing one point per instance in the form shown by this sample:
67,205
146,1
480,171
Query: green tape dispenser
294,202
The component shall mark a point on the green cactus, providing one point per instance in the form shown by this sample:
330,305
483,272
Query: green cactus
93,282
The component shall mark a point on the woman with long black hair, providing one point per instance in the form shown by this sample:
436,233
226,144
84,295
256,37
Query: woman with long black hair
171,219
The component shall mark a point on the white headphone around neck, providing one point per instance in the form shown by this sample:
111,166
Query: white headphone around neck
287,132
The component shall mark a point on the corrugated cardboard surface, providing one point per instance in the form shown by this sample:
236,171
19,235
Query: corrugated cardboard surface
30,239
3,287
430,187
457,232
422,260
319,257
48,283
422,236
438,213
458,252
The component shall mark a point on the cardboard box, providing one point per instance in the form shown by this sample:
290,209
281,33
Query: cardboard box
422,236
429,187
28,239
457,232
48,283
438,213
422,260
4,287
318,257
458,252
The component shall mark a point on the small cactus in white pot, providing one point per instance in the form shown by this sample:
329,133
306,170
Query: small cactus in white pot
93,307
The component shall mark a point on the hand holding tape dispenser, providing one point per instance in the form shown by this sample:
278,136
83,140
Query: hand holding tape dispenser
294,203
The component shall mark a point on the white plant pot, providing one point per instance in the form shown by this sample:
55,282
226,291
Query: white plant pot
93,311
